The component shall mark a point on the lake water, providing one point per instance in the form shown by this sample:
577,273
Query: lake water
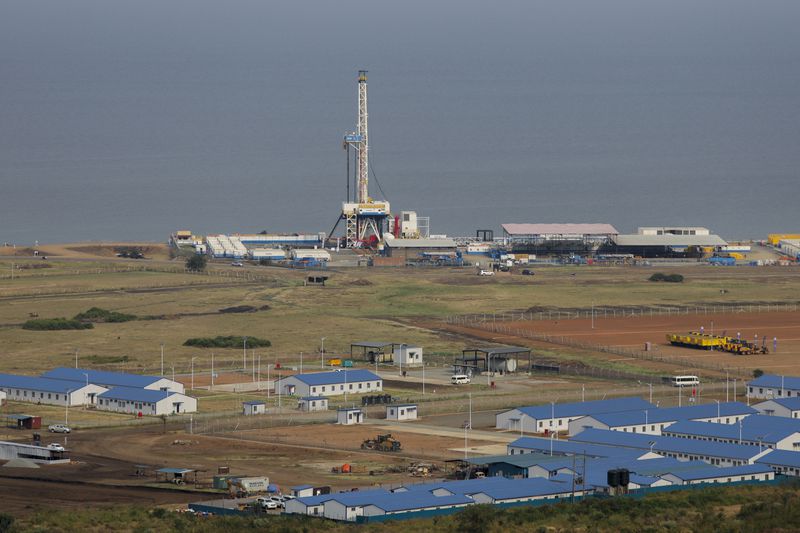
128,120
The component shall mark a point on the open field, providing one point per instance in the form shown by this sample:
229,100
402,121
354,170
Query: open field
400,305
634,332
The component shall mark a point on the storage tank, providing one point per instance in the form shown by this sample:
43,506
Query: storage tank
613,478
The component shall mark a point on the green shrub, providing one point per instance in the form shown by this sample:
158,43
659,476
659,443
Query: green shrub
6,522
196,263
96,314
229,341
669,278
53,324
757,373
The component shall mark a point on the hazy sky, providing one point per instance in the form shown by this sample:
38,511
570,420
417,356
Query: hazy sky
128,120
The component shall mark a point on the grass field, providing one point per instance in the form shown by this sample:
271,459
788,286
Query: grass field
392,304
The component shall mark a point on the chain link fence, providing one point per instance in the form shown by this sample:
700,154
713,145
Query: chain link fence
619,312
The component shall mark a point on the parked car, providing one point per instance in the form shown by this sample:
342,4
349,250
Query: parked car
237,264
267,503
527,272
486,273
58,428
56,447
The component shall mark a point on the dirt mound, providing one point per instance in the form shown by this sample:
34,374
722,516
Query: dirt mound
361,283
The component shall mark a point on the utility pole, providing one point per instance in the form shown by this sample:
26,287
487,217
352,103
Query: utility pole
322,354
244,353
162,360
76,358
212,370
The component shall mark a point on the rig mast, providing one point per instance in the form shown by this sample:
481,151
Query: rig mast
365,219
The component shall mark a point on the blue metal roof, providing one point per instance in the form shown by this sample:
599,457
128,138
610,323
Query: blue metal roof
564,410
792,403
571,447
667,444
781,458
767,429
40,384
337,377
405,501
522,488
254,402
715,471
101,377
773,381
312,398
671,414
136,395
315,500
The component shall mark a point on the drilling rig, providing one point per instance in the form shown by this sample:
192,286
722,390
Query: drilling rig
365,219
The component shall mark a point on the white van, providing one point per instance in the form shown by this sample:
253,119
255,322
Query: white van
459,379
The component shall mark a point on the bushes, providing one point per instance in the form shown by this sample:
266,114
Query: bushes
196,263
668,278
53,324
229,341
96,314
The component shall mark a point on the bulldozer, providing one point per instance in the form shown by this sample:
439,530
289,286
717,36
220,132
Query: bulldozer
382,443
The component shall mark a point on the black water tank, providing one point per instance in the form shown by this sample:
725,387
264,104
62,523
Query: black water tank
613,478
624,477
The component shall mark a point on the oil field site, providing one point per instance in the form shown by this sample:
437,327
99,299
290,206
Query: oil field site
388,394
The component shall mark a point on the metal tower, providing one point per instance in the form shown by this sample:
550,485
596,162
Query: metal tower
364,218
363,151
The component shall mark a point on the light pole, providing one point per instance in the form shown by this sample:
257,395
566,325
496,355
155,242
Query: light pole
423,379
66,407
322,354
212,370
84,390
583,393
470,410
718,415
301,362
244,353
258,383
740,431
193,358
521,420
253,354
727,384
592,314
551,444
651,391
553,415
162,359
268,365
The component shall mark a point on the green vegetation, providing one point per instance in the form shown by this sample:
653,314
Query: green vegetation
54,324
757,373
98,315
668,278
106,359
196,263
720,509
228,341
130,252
